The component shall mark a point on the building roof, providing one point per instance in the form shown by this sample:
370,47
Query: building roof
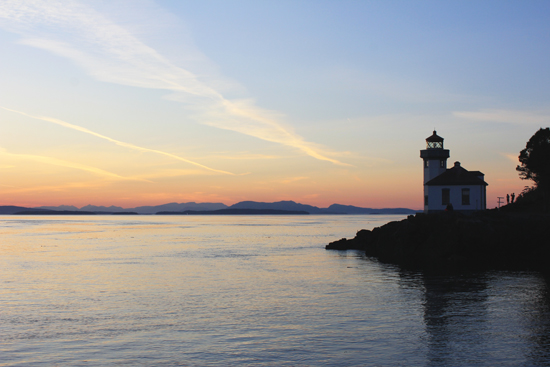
434,138
457,176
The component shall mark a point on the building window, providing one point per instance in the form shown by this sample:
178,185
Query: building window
426,163
442,163
425,199
465,196
445,196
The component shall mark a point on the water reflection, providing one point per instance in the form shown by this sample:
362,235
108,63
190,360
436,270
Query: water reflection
539,323
455,313
485,318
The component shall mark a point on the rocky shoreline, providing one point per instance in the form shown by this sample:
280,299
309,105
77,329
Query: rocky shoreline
456,242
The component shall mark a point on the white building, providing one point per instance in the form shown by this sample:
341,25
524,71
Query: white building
464,190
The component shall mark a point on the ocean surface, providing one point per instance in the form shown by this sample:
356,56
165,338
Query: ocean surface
248,291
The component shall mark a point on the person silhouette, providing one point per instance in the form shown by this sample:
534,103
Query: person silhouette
513,197
507,198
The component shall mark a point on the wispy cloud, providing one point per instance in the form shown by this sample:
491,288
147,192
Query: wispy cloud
54,188
111,53
512,157
507,116
243,156
64,163
117,142
166,173
293,179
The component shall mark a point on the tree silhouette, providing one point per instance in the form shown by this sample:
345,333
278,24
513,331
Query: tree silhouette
535,160
535,164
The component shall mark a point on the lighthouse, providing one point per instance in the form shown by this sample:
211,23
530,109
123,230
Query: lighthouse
457,187
434,156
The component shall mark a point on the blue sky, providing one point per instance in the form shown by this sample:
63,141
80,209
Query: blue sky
146,102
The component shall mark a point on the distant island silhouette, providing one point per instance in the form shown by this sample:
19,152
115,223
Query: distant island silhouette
204,208
53,212
237,212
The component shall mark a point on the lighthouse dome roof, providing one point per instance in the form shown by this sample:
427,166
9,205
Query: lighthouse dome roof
434,138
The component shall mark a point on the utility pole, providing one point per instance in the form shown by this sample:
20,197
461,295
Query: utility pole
500,200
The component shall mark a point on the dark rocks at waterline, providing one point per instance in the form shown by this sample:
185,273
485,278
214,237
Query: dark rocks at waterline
453,241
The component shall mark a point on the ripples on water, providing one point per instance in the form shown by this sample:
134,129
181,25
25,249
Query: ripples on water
248,290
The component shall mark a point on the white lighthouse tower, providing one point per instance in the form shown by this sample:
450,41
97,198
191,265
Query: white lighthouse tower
435,162
434,156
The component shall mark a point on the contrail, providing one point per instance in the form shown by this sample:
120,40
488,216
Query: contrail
117,142
63,163
111,53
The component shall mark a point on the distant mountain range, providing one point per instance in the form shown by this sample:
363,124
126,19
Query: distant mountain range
10,209
237,212
333,209
171,207
176,208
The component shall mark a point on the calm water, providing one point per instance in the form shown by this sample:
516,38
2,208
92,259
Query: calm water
247,290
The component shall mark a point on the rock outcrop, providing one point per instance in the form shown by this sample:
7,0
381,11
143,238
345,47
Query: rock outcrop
453,241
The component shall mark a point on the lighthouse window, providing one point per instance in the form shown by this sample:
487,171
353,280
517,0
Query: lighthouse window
442,163
426,163
425,199
434,145
445,196
465,196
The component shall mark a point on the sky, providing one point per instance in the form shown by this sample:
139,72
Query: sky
135,102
